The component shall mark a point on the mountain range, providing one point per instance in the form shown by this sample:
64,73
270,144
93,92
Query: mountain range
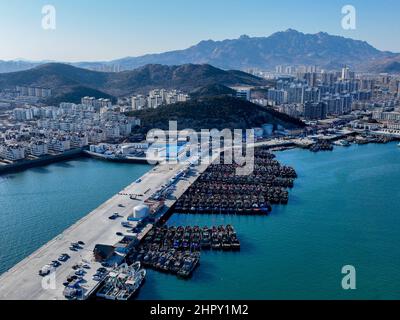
69,83
288,47
16,65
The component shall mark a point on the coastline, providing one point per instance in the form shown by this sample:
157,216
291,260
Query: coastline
41,251
22,280
43,161
142,160
36,291
297,252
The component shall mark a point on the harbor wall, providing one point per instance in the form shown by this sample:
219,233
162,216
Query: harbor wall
120,160
26,164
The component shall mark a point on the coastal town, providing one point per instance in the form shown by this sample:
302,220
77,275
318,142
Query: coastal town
328,102
33,132
196,159
130,235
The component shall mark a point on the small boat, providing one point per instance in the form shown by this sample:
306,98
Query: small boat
216,245
188,266
136,266
342,143
235,244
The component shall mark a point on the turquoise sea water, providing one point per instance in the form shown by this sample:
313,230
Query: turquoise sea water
343,210
38,204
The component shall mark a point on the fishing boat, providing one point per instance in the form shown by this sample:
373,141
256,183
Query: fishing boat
133,283
73,291
235,244
122,282
206,239
342,143
188,267
216,244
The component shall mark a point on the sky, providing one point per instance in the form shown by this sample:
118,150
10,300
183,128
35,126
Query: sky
98,30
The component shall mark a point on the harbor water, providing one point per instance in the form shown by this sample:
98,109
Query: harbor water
343,210
38,204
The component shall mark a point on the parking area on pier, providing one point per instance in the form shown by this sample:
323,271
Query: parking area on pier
23,282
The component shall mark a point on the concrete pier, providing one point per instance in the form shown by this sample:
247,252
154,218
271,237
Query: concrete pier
22,282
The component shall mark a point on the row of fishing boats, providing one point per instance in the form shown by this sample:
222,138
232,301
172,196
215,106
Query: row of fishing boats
192,238
219,190
179,263
322,145
176,250
370,138
281,176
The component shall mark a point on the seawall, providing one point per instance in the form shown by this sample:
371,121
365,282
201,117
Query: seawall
26,164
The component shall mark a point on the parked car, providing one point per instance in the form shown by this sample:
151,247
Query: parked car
46,270
80,272
64,257
55,263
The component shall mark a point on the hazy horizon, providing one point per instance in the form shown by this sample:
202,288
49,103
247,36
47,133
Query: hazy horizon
104,31
117,58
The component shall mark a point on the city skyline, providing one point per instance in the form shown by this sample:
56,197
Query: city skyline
105,31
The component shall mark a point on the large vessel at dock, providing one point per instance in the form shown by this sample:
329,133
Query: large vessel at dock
122,282
116,158
135,152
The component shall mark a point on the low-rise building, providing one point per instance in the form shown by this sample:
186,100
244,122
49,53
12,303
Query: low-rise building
59,144
12,152
38,148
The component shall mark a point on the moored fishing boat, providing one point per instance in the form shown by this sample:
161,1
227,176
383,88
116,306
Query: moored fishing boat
188,267
122,282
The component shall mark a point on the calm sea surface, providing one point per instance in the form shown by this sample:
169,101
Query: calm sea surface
343,210
38,204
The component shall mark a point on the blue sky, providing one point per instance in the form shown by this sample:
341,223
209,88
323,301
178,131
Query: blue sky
104,29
